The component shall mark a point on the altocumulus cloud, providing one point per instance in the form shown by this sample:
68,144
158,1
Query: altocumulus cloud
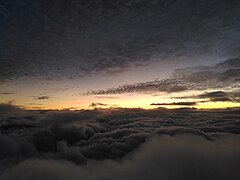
92,36
221,75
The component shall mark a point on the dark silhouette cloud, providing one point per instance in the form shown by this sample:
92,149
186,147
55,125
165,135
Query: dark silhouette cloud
38,104
216,96
42,97
8,109
6,93
175,104
97,104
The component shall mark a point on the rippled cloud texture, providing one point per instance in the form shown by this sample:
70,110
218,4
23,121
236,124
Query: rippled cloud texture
119,144
220,76
50,39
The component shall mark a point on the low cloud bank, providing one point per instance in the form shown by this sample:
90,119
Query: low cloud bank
119,144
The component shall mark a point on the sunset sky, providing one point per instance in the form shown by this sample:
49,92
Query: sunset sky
148,54
119,89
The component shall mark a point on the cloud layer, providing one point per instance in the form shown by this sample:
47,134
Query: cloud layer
220,76
68,39
119,143
160,158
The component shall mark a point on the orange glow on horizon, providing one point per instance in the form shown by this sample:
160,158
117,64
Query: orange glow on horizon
67,101
136,104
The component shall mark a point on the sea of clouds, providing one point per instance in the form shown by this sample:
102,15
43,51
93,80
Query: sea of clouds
119,144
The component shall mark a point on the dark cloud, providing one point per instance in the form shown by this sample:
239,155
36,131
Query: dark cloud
178,130
9,147
42,97
230,64
67,39
97,104
39,104
167,85
70,153
6,93
8,109
160,158
175,104
222,75
216,96
112,136
13,152
224,72
121,129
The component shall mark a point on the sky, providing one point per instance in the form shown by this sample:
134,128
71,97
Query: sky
81,54
119,89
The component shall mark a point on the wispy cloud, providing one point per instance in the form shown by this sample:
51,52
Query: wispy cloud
222,75
107,97
167,85
215,96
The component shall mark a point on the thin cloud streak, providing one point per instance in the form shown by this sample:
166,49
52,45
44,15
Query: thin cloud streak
175,104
